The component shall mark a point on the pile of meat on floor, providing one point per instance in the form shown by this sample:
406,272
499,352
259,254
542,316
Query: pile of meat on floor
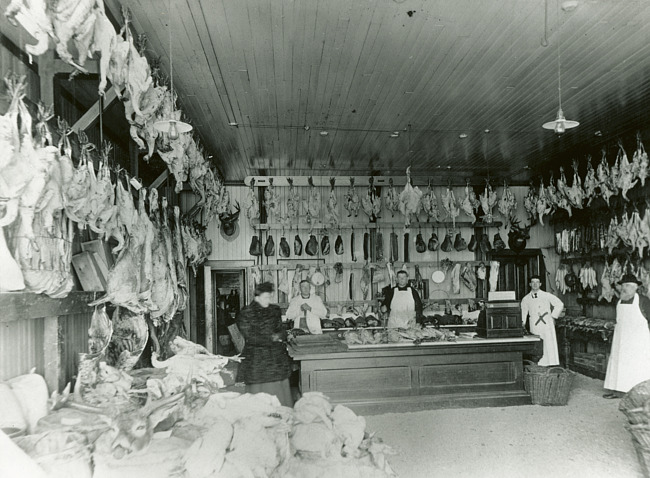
190,426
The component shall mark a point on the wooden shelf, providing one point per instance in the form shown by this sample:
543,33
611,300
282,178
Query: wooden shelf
362,226
27,305
344,303
360,265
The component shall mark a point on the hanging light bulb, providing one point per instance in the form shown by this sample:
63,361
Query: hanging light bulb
561,124
173,127
173,130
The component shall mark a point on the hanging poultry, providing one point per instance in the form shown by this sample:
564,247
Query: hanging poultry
271,202
313,202
392,198
542,207
488,200
470,204
352,201
604,181
591,183
371,203
332,218
626,175
530,202
450,205
562,193
640,162
430,204
409,199
253,205
507,203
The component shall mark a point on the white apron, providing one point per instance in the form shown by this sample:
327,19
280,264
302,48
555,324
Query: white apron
629,359
542,324
402,309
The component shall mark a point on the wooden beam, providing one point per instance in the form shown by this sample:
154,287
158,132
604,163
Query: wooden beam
210,328
160,179
46,75
51,352
16,51
27,305
62,67
230,265
92,114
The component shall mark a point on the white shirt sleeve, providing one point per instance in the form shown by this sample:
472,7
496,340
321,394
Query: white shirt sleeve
317,306
294,308
558,305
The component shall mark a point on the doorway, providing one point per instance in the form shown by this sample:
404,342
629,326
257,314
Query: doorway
515,270
229,293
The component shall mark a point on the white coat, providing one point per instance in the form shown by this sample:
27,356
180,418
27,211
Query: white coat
314,316
542,308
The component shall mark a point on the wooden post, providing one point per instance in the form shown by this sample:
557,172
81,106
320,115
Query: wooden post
209,318
51,352
46,75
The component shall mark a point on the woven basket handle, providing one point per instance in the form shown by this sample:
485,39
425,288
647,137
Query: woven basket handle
550,369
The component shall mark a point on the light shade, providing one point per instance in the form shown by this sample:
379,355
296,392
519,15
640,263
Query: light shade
561,124
164,125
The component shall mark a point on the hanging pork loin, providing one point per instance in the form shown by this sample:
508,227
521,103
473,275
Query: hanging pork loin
420,246
338,245
269,247
285,250
433,243
459,243
312,246
255,248
447,244
297,246
325,245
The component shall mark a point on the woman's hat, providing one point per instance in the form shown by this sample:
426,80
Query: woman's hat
629,278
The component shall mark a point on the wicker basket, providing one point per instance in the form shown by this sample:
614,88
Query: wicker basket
637,416
641,433
548,385
643,455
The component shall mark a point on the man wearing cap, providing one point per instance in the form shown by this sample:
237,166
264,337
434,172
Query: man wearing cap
542,308
309,307
629,359
403,302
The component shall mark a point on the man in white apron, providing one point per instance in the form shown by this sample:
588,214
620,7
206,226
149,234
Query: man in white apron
542,308
403,303
306,310
629,359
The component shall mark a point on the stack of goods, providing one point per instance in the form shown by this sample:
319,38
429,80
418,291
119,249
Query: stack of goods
414,335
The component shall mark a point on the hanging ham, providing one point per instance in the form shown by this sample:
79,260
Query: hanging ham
338,245
420,246
312,246
325,245
459,243
433,243
255,248
269,247
447,244
285,250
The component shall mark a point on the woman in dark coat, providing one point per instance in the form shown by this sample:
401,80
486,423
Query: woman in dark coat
265,366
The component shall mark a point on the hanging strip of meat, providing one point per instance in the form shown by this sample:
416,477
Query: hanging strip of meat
394,248
379,247
366,246
494,275
406,247
354,258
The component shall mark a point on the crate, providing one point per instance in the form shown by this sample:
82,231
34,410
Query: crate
500,319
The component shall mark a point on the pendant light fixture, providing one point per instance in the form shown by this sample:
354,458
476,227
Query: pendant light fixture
172,126
561,124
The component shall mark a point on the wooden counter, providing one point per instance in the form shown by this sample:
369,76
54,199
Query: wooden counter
374,379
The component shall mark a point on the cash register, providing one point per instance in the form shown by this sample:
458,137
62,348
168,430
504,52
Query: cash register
501,316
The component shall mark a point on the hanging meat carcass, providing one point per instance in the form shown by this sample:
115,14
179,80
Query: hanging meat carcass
392,198
312,206
542,206
450,205
252,205
575,194
614,173
271,202
562,189
488,200
430,204
626,175
371,203
293,203
530,202
33,16
470,204
591,183
507,203
352,200
640,162
409,199
332,217
604,182
163,292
